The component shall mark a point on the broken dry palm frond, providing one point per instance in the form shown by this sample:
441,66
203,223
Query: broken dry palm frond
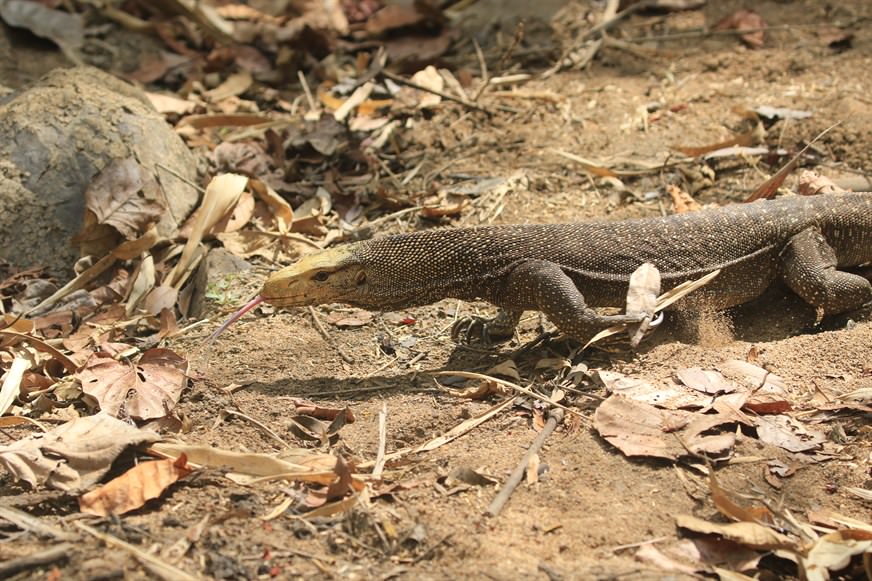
663,301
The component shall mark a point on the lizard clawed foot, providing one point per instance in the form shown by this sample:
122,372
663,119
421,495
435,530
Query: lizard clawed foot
470,330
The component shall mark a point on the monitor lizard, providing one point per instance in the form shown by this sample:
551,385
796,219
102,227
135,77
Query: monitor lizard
564,270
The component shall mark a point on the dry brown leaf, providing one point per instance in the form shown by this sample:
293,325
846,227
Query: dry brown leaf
281,209
123,196
751,137
768,188
833,552
159,299
638,429
134,488
65,29
299,462
233,86
785,432
148,389
651,555
142,283
753,535
223,120
705,380
170,103
24,359
745,20
235,218
730,509
13,338
221,194
74,455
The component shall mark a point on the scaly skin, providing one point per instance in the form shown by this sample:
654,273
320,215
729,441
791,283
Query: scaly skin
565,269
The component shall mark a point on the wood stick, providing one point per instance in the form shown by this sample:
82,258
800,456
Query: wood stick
555,416
56,553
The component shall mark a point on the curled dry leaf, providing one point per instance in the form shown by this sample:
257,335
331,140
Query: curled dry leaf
834,551
638,429
748,534
730,509
24,359
785,432
293,465
148,389
222,194
123,198
63,28
745,20
74,455
134,488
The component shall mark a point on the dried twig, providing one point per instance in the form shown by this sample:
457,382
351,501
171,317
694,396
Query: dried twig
510,385
262,426
382,441
329,338
403,81
704,33
50,555
554,417
153,563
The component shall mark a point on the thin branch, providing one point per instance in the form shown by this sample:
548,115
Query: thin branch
554,418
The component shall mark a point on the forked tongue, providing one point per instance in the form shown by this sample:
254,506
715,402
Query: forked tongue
235,317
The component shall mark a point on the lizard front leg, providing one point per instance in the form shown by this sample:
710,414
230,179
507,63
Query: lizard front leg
542,285
499,328
809,269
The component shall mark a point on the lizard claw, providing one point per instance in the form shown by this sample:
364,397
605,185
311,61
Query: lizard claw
487,331
470,330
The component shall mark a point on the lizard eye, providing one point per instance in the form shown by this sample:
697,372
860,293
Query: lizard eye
322,276
360,279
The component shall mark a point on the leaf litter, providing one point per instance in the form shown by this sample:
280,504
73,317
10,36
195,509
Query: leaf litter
298,180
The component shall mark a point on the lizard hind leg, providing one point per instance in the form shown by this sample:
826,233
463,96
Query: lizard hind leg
809,268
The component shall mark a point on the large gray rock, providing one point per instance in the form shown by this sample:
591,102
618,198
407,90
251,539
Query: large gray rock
55,137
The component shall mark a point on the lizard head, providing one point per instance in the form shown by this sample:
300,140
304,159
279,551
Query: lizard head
329,276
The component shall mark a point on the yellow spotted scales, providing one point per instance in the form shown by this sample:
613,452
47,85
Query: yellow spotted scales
564,270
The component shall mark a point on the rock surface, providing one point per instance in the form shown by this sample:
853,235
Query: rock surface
55,137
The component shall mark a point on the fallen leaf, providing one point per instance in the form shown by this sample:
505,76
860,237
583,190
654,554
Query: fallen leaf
234,85
785,432
704,380
651,555
170,103
23,360
148,389
745,20
637,429
122,198
749,534
134,488
75,455
221,194
780,112
728,507
358,318
833,552
63,28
